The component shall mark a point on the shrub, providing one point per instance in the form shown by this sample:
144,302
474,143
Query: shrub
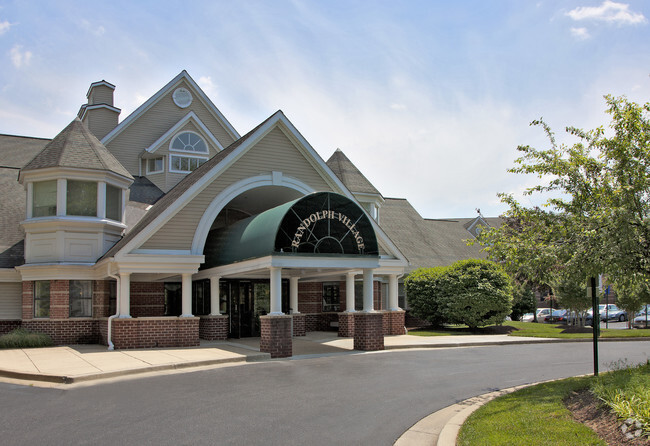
21,338
475,293
421,291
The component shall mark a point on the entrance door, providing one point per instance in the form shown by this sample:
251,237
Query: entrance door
247,301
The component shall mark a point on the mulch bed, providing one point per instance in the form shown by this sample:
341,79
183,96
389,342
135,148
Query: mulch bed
587,409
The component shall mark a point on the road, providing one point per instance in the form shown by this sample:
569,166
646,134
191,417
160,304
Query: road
355,399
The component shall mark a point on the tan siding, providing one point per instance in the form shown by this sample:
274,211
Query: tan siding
11,300
155,122
101,94
274,152
101,121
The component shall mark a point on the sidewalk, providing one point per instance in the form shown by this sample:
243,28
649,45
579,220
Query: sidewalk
79,363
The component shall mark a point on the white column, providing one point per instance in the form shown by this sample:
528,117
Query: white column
293,292
186,295
101,199
125,295
368,305
214,296
276,290
393,303
349,292
61,196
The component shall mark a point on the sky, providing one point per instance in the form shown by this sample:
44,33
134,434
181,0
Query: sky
429,99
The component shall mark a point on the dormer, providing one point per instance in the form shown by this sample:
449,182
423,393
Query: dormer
76,198
99,114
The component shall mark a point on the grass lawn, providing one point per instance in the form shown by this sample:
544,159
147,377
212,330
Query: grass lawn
537,415
532,329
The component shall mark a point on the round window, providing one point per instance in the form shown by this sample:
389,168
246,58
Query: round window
182,97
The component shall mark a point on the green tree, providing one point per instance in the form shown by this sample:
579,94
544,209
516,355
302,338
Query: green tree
632,295
475,293
596,217
523,300
571,293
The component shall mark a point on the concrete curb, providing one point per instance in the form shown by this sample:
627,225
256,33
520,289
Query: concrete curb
63,379
441,428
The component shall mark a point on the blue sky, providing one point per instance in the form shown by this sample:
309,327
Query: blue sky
428,98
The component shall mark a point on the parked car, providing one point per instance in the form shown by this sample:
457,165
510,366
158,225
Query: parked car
558,317
642,319
528,317
542,314
609,312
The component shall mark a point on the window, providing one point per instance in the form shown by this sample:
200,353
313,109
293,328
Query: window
201,297
42,298
44,199
81,298
179,163
113,203
331,297
81,198
189,142
112,297
358,296
155,165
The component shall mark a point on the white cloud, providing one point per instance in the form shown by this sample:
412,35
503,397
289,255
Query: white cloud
4,27
398,107
19,57
96,30
609,11
580,33
206,84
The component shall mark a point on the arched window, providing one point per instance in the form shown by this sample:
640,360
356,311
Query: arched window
189,142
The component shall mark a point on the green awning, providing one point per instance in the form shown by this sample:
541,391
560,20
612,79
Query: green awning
322,223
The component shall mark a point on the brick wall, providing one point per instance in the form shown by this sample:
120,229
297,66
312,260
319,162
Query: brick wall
310,297
147,299
7,326
66,331
312,321
346,325
150,332
414,322
368,333
59,299
393,322
101,298
276,336
214,328
299,324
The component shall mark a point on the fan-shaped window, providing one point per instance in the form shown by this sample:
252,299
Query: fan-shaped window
189,142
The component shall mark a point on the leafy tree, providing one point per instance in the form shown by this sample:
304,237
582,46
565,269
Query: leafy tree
523,300
632,295
474,292
571,293
597,217
421,290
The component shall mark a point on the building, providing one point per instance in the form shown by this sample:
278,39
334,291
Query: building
169,226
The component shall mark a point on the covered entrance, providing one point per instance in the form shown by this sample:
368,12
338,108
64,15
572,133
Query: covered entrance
247,301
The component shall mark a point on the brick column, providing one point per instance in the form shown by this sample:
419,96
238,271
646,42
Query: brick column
28,300
396,322
299,324
276,336
368,332
214,328
346,324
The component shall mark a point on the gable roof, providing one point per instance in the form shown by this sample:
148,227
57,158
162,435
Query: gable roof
172,202
76,147
190,117
349,175
426,243
183,75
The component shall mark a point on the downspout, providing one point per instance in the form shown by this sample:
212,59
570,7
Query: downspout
117,311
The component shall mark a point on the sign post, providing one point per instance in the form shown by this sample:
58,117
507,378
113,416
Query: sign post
591,289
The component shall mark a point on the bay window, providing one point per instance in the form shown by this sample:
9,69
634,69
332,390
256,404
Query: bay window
81,198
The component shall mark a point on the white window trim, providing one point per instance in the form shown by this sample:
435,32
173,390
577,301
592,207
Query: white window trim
171,169
171,149
150,172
